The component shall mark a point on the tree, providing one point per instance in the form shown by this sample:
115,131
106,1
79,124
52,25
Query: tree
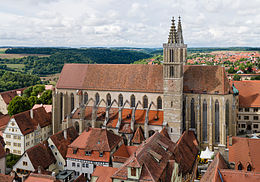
33,100
237,77
46,97
18,104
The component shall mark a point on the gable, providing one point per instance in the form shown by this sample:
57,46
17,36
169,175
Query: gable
12,124
20,165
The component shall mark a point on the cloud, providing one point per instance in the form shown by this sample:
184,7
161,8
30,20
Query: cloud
142,23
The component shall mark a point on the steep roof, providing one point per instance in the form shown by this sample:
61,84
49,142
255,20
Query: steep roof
103,173
212,171
123,153
96,139
28,124
138,136
4,119
41,155
62,143
249,95
241,176
245,151
141,78
9,95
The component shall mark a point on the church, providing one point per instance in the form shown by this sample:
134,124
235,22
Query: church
136,100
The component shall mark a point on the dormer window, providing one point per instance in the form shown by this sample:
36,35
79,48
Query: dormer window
88,153
100,154
133,171
249,167
239,167
75,151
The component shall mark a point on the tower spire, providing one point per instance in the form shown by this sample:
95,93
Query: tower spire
179,33
173,34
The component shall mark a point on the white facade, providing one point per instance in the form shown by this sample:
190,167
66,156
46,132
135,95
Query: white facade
83,166
17,143
24,164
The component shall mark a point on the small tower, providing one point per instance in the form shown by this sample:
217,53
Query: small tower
174,56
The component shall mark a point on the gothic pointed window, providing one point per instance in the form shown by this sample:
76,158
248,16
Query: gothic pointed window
145,102
108,99
217,121
205,122
249,167
61,107
120,100
132,101
227,117
97,98
159,103
85,99
192,113
239,167
72,101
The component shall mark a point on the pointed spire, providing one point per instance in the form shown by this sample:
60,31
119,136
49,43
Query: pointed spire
173,34
179,33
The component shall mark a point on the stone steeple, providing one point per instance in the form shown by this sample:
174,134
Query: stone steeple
179,33
173,34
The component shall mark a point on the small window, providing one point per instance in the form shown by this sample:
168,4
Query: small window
100,154
255,109
78,164
246,109
240,110
88,153
243,125
75,151
255,125
73,164
255,117
25,163
246,117
133,171
239,167
239,117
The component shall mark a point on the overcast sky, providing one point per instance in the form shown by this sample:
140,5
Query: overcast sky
134,23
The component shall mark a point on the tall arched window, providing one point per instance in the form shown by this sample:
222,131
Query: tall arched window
132,101
192,113
145,102
120,100
205,122
184,115
97,98
108,99
85,98
227,118
61,107
249,167
72,101
239,167
76,126
159,103
217,121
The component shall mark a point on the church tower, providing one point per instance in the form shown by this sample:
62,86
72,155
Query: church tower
174,57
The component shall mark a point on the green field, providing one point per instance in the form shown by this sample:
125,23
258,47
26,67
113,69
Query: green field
17,67
2,50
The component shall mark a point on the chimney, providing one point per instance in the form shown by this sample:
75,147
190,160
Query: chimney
31,113
65,134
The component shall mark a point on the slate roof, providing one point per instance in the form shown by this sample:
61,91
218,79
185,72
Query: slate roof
245,151
62,143
249,95
141,78
41,155
28,124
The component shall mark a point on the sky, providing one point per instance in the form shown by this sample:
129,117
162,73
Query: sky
128,23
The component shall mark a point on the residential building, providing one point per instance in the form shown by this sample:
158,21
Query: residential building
249,106
218,171
59,143
34,158
243,153
173,95
156,159
94,147
25,130
6,97
122,154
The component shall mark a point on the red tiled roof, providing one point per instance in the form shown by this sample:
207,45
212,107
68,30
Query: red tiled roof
140,78
249,95
33,177
164,132
95,140
245,151
239,176
62,143
123,153
138,136
4,119
81,178
104,173
27,124
9,95
41,155
212,171
6,178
